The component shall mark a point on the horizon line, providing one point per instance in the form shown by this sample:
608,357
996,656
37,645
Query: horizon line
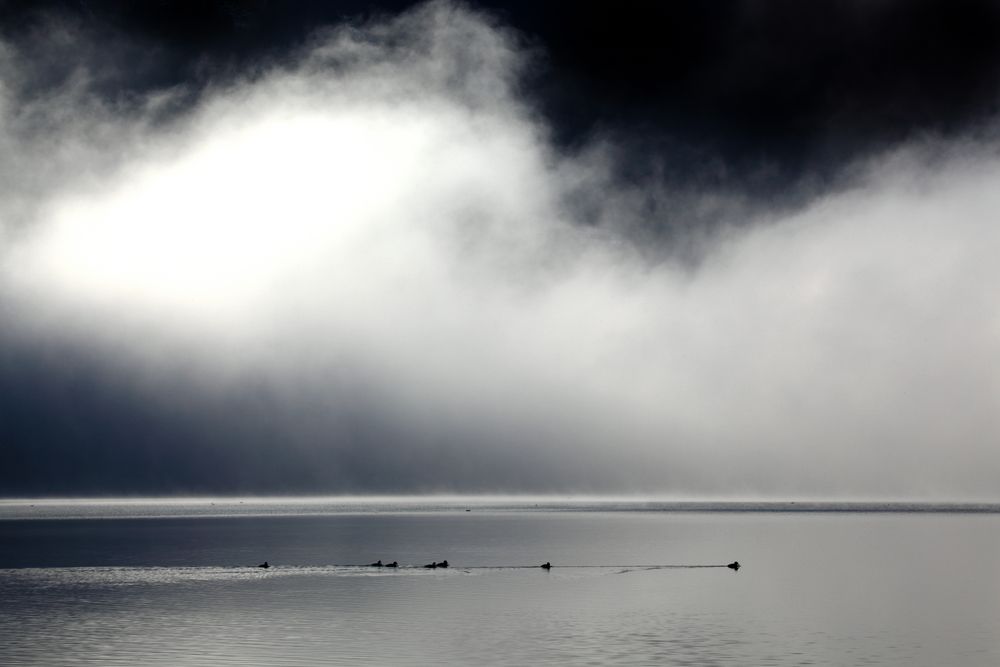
447,498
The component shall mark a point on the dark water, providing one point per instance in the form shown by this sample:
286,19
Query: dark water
169,584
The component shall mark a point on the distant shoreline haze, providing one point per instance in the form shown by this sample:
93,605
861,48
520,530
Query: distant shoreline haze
148,507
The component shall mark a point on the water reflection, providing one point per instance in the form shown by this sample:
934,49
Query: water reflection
813,589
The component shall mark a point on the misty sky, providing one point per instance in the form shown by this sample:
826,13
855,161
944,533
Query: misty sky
697,249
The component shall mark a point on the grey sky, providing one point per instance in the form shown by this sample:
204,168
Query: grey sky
371,268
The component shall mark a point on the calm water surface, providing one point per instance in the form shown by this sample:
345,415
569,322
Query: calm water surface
171,584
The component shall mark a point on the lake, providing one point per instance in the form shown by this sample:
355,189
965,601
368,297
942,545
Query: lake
174,583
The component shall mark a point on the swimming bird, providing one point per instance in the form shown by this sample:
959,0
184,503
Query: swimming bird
443,563
377,563
735,565
264,565
392,564
546,566
431,565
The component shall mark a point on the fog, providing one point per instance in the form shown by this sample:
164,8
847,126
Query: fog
367,267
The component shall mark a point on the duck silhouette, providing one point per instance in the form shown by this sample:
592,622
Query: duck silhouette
377,563
431,565
546,566
443,563
392,564
264,565
735,565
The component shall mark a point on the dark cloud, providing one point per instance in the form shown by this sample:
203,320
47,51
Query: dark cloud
795,83
753,94
75,425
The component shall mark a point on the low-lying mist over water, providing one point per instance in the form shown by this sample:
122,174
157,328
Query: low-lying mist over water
370,264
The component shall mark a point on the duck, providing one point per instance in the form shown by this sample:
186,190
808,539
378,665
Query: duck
377,563
443,563
264,565
735,565
431,565
546,566
392,564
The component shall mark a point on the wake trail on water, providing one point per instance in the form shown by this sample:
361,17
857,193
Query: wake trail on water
139,575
